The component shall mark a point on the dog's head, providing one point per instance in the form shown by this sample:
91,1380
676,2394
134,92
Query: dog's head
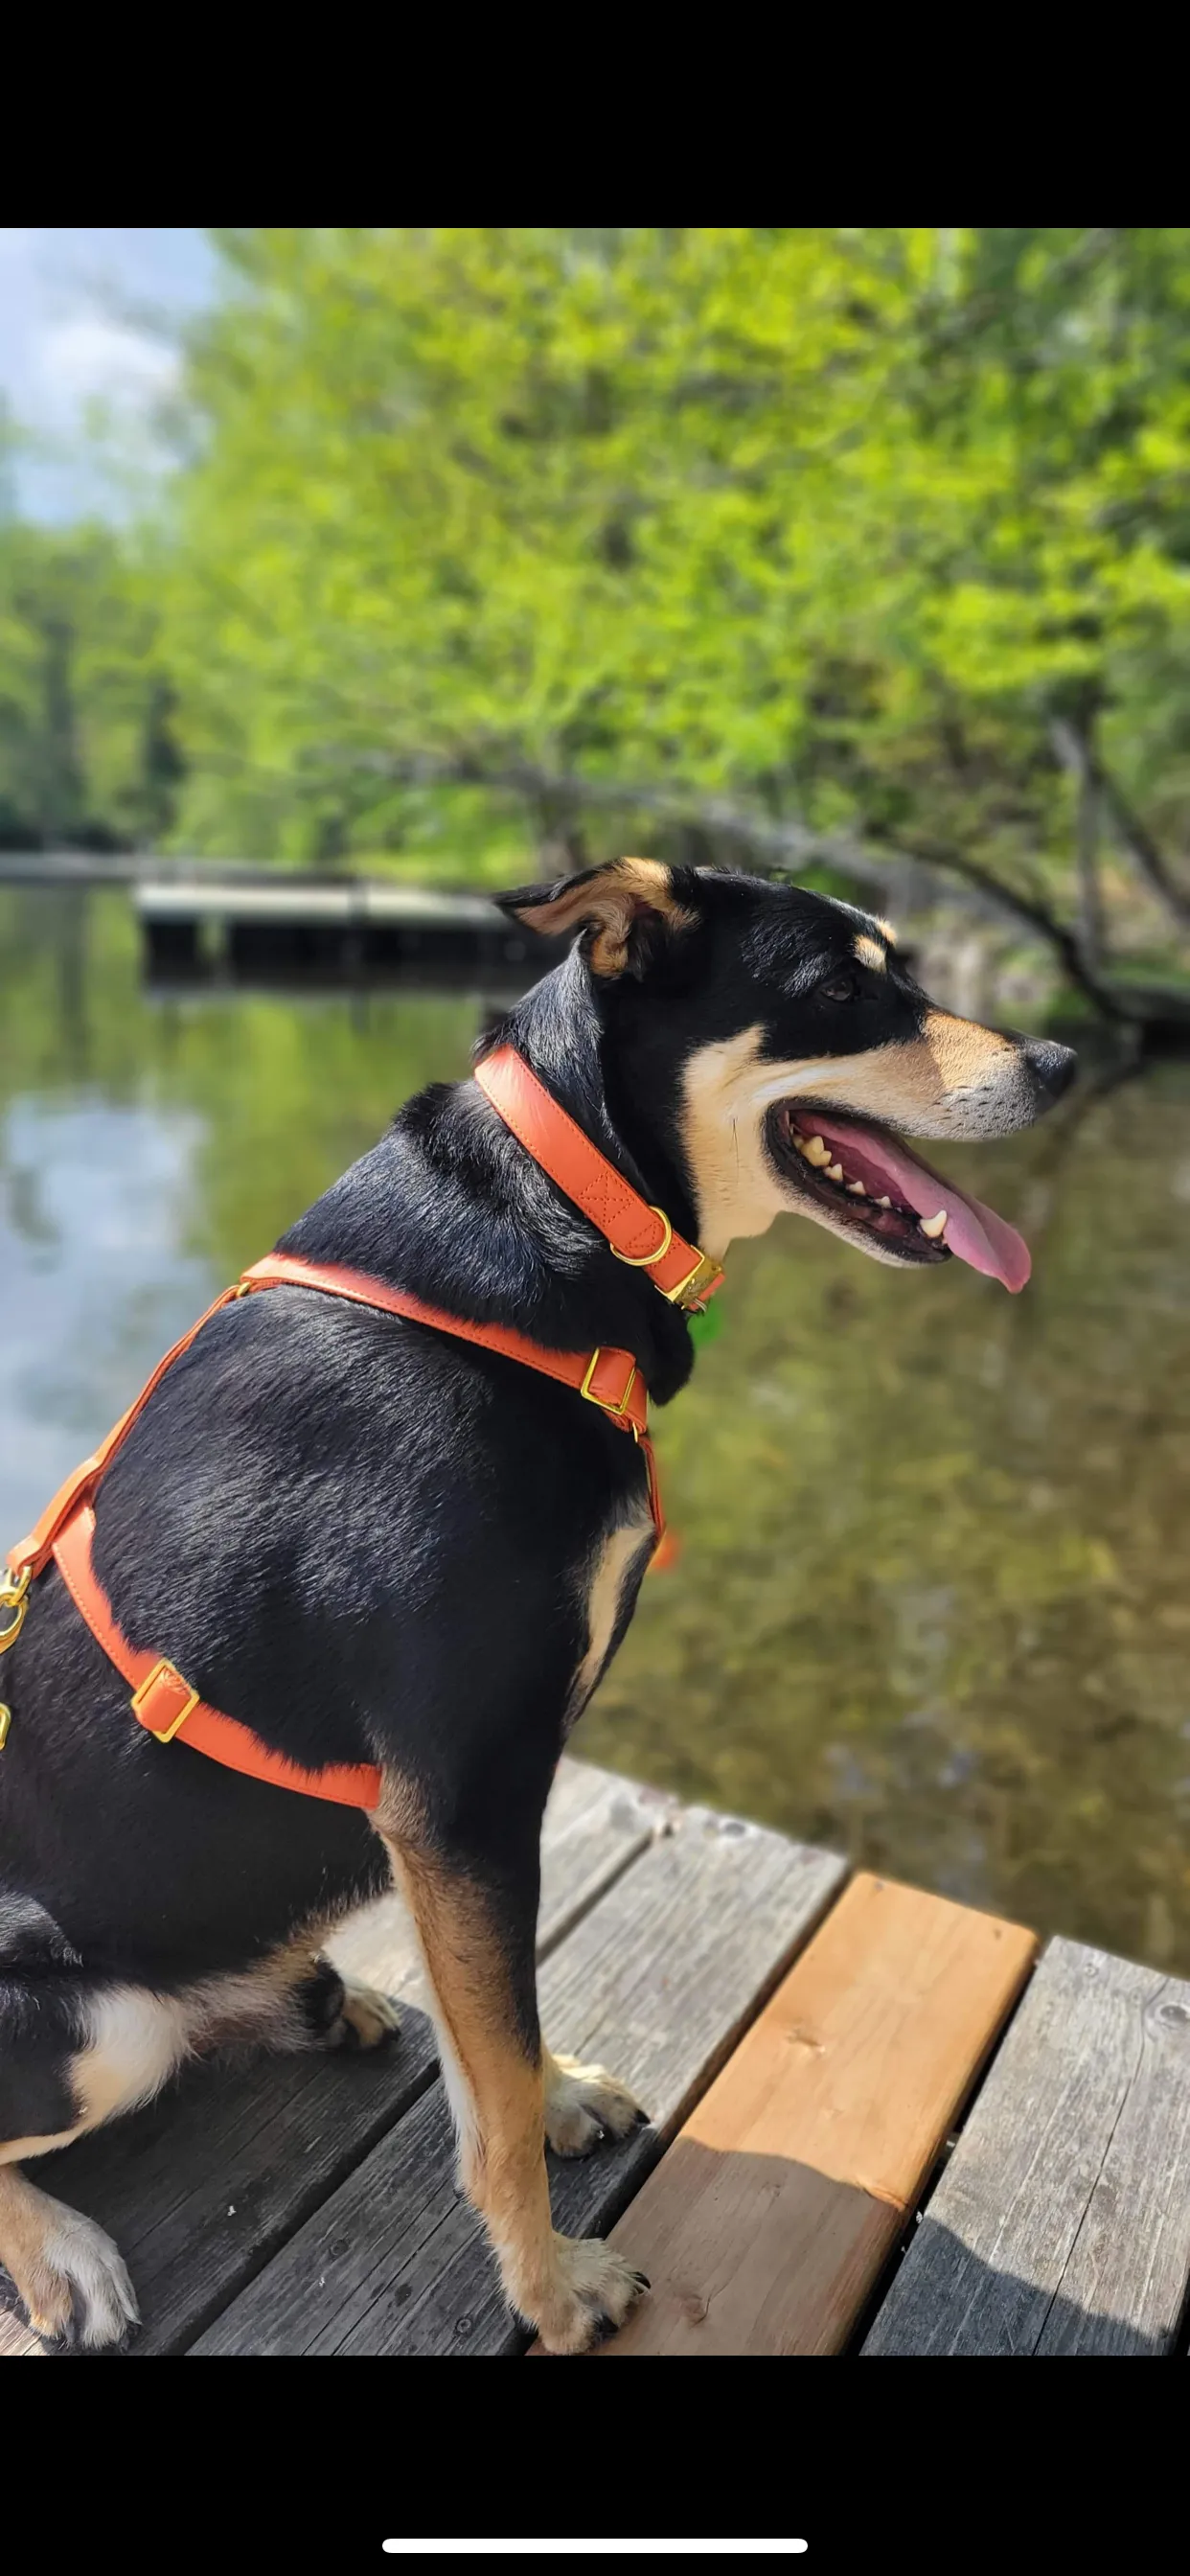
778,1050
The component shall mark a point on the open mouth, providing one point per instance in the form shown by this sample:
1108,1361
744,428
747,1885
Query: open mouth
871,1185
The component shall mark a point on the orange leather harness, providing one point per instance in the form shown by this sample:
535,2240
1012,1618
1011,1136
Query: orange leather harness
162,1700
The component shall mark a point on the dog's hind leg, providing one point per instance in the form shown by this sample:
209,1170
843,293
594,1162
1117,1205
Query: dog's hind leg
476,1936
332,2011
67,2272
72,2058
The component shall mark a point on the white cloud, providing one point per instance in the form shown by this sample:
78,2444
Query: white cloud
89,356
69,332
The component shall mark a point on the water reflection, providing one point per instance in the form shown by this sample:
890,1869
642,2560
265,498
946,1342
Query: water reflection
931,1605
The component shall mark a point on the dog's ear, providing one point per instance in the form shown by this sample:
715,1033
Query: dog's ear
625,908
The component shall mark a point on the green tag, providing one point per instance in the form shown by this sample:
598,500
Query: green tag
707,1326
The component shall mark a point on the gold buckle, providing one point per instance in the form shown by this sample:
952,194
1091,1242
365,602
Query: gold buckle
645,1260
704,1274
601,1400
5,1723
14,1596
162,1669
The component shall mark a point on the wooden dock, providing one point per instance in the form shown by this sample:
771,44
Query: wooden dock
882,2123
290,928
217,922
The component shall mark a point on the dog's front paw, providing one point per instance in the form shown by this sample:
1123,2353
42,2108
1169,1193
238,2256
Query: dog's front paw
594,2290
76,2290
366,2018
584,2105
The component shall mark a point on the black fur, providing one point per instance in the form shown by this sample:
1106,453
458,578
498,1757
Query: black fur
364,1539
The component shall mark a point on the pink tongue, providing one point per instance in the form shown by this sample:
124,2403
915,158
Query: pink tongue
974,1233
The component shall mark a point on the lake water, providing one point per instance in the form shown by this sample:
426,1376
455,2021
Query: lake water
932,1606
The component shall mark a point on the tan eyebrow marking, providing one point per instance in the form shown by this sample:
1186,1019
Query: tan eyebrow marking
869,954
886,930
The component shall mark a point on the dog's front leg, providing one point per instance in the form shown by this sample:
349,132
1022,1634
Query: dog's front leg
477,1939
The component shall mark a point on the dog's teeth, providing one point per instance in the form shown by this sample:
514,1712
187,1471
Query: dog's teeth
934,1225
834,1171
884,1202
856,1190
816,1152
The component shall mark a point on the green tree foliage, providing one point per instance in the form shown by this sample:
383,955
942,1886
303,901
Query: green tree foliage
790,535
87,753
832,525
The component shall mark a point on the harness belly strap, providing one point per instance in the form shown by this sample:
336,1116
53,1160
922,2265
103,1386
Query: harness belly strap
166,1706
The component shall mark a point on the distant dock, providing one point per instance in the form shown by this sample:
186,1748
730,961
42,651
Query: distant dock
218,924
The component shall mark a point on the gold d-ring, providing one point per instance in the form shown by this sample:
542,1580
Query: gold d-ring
645,1260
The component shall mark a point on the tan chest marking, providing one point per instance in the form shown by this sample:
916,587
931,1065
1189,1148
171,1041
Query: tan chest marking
625,1549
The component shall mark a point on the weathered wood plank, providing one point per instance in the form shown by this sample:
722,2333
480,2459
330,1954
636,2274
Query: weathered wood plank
1062,2222
765,2226
595,1825
201,2189
657,1981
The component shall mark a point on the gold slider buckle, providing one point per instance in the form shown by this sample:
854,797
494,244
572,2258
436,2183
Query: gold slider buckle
14,1602
693,1291
601,1400
164,1671
645,1260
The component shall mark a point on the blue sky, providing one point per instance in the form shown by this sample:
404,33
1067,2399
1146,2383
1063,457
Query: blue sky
87,311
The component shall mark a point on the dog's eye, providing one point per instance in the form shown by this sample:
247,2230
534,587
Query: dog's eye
840,988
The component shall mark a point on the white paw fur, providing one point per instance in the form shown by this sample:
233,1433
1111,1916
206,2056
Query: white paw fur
583,2105
595,2290
368,2015
78,2287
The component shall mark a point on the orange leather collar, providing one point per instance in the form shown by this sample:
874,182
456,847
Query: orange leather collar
163,1701
638,1234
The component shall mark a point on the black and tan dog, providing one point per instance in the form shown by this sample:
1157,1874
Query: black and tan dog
372,1543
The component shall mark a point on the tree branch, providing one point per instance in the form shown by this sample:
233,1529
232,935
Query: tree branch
780,843
1076,754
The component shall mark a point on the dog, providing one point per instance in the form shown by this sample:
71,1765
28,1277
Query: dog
370,1541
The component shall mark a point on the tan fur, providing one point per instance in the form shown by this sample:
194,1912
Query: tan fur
886,930
956,1079
605,1591
610,903
568,2288
870,953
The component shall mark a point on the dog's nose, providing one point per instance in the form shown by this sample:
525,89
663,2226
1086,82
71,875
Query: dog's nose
1052,1067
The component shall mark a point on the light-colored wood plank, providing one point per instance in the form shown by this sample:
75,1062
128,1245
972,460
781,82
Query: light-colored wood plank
764,2228
595,1825
1062,2222
657,1981
201,2189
